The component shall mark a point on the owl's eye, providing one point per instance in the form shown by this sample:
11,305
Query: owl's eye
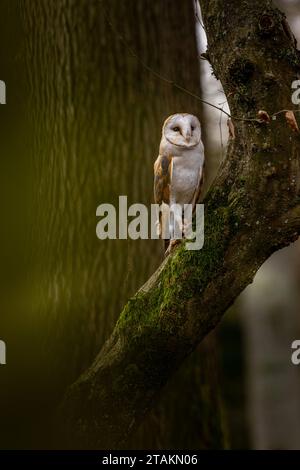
176,129
192,128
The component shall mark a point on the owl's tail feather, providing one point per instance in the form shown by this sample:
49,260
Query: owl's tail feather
163,224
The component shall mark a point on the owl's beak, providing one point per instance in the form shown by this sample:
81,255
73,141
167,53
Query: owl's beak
188,137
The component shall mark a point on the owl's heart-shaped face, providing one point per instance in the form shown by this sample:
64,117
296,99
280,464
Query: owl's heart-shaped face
183,130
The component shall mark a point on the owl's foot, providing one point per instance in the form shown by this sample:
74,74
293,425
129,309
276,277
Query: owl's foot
172,246
187,229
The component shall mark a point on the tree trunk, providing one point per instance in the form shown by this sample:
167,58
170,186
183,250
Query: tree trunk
90,130
252,210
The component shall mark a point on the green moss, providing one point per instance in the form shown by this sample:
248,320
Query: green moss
185,275
135,310
290,56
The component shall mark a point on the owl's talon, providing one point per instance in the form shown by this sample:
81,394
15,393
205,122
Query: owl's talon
187,228
171,247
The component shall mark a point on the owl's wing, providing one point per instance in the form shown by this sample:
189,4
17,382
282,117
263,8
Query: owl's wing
162,179
198,188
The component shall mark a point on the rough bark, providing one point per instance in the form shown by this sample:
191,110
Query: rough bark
90,119
268,312
252,210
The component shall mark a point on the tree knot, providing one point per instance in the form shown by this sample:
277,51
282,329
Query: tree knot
241,71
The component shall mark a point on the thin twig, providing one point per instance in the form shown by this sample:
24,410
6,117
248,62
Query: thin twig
221,132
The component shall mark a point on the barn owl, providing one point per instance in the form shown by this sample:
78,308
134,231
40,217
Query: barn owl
178,172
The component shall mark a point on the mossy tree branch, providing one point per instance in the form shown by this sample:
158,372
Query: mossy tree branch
252,210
